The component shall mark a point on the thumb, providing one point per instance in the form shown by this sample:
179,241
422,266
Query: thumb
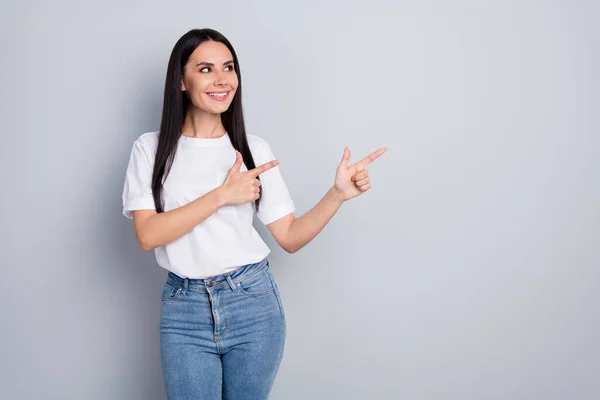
238,162
346,157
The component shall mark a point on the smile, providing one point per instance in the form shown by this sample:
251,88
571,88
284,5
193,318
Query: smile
218,96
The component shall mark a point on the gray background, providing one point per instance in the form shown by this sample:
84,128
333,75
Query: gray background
470,270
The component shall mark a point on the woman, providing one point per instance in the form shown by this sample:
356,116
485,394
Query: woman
190,191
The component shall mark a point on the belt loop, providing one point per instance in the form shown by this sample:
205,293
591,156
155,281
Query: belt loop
230,281
185,285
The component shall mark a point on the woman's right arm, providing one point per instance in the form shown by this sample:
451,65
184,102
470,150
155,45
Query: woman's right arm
154,229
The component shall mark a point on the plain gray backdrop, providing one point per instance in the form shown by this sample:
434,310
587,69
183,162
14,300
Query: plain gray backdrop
470,270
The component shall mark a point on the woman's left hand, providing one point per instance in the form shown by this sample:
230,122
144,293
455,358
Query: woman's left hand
352,181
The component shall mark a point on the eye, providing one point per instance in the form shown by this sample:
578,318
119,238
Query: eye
229,66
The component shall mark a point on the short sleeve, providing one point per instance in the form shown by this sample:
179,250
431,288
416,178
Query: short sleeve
276,201
137,190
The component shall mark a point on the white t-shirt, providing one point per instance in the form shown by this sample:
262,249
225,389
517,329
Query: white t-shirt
226,240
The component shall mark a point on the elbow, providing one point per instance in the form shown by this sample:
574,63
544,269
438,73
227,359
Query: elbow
146,247
144,244
290,250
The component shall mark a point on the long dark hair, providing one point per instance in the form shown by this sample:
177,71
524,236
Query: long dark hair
176,103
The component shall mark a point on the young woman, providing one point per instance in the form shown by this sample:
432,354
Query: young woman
190,190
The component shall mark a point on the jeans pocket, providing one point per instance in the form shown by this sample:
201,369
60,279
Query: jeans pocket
258,284
170,292
277,294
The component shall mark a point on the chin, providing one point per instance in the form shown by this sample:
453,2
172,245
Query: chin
219,110
215,110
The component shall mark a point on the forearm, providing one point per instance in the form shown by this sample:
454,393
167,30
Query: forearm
165,227
305,228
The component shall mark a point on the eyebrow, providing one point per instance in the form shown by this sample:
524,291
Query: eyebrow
212,65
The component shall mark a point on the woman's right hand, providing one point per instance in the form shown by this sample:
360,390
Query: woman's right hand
243,187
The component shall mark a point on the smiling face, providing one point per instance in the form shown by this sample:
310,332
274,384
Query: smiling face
209,77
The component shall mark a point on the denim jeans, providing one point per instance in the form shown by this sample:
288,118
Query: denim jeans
222,337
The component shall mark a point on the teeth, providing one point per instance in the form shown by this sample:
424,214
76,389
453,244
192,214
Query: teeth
217,94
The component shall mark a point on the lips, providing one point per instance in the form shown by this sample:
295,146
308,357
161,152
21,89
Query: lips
218,96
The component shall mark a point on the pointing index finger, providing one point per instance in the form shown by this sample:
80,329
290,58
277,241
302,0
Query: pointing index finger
262,168
371,157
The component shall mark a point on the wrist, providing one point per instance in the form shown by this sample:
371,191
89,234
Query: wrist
221,198
337,196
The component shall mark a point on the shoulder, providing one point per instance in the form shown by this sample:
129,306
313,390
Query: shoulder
257,143
147,139
260,149
148,142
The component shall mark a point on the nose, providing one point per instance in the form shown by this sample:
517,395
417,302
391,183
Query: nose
220,79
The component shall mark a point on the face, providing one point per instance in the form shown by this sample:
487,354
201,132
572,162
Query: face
209,77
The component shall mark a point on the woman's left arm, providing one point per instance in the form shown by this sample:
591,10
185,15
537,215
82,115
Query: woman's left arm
292,233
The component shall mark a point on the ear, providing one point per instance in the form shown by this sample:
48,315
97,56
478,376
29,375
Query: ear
183,88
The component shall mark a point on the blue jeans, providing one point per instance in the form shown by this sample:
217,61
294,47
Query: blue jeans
222,337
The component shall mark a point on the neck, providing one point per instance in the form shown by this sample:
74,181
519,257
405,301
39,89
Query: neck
200,124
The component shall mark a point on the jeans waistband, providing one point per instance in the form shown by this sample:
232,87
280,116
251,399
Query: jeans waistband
217,281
